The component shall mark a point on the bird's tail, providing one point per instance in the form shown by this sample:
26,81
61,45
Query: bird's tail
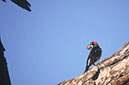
87,67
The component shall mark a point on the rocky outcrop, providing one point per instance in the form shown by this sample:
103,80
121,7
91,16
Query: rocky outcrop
111,71
4,74
22,3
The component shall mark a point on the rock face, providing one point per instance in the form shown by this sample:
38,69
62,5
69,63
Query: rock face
22,3
4,74
111,71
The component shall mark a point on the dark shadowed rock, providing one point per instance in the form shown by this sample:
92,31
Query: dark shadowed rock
4,75
23,3
4,0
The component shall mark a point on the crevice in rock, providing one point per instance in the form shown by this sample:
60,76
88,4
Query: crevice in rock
96,75
121,75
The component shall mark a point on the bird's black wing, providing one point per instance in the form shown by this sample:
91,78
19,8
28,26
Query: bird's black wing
94,55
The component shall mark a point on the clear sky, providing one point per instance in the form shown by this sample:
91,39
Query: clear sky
48,45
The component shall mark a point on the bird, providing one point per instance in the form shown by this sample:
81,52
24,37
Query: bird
94,54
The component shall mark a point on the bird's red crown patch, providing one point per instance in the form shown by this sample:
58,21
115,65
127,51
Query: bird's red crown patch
95,43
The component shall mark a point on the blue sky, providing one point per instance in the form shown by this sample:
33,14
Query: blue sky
48,45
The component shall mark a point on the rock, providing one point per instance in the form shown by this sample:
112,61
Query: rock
4,74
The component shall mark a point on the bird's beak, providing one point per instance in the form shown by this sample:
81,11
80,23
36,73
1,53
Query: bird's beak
89,46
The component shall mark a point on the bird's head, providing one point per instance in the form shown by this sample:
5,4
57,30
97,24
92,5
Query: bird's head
92,44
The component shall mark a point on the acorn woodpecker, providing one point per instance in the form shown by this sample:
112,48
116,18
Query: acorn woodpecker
94,55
